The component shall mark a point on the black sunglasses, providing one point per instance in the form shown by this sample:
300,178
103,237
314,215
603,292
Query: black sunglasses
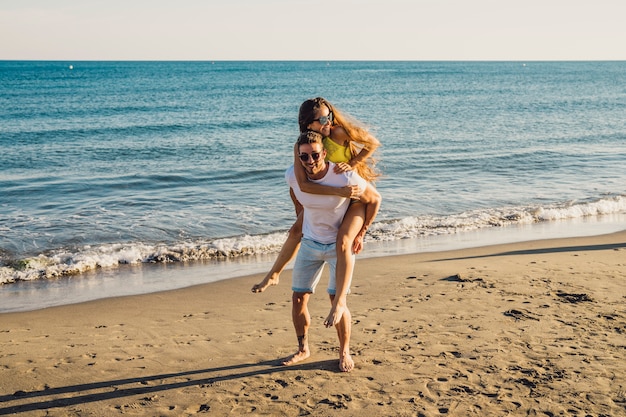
325,119
304,157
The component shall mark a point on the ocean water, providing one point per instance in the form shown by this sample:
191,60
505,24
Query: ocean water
109,166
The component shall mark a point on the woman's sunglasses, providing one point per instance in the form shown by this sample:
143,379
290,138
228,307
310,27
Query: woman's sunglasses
325,119
304,157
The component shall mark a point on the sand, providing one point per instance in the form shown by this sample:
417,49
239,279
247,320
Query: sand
536,328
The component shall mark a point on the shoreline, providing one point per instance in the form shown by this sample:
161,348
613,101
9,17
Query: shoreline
517,328
148,278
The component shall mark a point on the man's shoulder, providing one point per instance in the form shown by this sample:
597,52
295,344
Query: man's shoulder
333,176
354,177
342,179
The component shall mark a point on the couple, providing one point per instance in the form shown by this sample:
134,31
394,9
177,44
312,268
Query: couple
335,205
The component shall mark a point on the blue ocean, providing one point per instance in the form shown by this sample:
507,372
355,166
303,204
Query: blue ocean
130,177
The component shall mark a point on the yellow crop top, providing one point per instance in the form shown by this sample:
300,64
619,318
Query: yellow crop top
336,153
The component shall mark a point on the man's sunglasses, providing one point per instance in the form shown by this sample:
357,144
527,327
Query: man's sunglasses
304,157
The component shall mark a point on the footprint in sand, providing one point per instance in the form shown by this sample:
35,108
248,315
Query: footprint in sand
573,298
520,315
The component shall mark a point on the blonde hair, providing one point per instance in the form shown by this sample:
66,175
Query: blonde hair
359,136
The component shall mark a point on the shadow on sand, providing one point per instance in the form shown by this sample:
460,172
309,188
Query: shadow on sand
611,246
78,394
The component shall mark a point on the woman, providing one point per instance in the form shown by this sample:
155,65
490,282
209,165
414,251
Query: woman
350,146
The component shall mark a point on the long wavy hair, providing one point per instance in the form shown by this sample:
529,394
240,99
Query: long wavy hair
358,134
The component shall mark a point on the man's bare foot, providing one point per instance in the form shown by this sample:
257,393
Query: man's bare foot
270,280
346,364
297,357
334,316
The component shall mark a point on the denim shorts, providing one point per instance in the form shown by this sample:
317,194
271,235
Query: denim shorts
309,264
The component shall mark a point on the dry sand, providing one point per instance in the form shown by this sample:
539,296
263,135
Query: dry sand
536,328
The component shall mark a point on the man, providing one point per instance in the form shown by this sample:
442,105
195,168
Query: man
321,220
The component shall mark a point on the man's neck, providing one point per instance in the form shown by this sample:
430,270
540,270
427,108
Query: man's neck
320,174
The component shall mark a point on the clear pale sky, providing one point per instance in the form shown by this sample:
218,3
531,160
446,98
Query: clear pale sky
312,30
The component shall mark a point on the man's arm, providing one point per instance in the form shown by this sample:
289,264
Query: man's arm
296,203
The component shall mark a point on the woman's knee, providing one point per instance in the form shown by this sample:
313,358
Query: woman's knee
344,242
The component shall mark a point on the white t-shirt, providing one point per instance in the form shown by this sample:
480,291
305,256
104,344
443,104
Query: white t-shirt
323,213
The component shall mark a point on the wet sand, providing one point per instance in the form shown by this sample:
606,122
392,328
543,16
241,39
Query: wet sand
533,328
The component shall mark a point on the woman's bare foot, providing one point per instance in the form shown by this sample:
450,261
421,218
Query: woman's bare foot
270,280
297,357
346,364
334,317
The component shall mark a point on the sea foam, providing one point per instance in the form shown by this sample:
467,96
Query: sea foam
88,258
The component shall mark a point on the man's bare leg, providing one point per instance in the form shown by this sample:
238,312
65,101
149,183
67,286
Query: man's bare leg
302,353
344,330
301,323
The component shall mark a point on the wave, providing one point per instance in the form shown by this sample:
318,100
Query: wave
71,262
413,227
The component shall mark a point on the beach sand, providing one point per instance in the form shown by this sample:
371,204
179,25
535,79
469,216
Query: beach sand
535,328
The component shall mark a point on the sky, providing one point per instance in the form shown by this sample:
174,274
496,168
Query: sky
327,30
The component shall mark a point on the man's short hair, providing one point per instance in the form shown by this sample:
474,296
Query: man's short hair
309,137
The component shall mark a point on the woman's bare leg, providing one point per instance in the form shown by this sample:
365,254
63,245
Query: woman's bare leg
344,330
350,227
287,252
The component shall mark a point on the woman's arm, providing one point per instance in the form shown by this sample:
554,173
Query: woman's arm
361,156
366,142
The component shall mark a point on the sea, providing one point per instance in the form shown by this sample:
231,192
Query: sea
123,178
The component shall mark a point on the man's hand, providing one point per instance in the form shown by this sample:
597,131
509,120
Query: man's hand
350,191
357,245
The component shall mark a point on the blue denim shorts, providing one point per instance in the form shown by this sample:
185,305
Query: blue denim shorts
309,264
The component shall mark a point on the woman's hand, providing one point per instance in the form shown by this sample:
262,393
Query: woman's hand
342,167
